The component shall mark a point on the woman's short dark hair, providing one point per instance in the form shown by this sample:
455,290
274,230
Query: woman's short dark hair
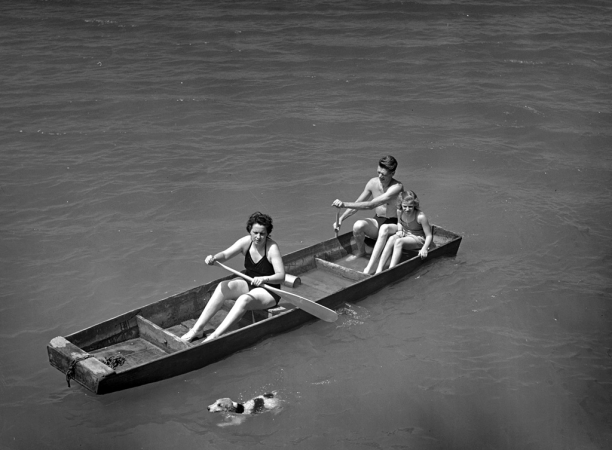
261,219
388,162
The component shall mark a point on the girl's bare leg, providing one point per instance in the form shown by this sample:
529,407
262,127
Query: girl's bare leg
408,243
386,253
224,290
383,234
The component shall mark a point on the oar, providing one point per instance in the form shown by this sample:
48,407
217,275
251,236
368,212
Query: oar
303,303
337,220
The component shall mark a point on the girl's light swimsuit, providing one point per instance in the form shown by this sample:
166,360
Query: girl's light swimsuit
413,229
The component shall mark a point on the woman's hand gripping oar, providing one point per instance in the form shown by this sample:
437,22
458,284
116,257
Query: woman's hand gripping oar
303,303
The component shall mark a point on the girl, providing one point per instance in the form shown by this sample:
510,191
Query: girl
413,231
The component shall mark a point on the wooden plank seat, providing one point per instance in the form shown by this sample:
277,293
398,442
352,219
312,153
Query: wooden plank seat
342,271
156,335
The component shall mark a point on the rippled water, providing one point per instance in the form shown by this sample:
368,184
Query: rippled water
136,137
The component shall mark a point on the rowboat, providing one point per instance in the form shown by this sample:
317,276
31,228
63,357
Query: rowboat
143,345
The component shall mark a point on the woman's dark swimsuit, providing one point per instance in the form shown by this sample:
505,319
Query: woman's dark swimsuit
263,268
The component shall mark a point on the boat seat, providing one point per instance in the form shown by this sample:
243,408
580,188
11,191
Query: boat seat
276,311
281,308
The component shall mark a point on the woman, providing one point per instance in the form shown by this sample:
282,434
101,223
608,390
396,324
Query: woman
413,231
263,262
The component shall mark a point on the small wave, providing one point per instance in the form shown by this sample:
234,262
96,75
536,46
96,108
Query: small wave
101,22
354,315
318,383
519,61
533,110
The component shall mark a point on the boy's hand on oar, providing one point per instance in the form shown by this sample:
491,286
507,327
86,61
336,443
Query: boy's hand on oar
337,223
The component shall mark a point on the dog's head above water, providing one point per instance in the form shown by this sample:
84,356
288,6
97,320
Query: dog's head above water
225,405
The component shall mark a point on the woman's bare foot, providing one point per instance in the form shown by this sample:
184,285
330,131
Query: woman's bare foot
191,335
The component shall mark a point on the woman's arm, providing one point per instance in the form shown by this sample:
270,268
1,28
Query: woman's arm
277,262
422,219
230,252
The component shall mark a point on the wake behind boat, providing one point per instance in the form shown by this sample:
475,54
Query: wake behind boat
143,345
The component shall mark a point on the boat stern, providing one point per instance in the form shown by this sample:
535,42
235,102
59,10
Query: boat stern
78,365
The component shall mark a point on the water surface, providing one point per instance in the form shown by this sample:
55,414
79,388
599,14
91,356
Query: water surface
136,138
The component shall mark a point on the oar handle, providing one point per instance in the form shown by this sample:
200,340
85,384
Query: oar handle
248,278
337,224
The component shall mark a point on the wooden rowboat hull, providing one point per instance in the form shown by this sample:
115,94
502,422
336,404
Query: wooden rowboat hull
145,341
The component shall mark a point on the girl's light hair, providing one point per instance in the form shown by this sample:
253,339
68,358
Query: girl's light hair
408,196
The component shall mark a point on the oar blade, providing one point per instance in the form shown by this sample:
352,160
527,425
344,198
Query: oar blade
311,307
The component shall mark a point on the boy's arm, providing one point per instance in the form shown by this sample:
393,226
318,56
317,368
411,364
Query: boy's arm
392,192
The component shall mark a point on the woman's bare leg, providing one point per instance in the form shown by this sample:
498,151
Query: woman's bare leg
224,291
258,298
